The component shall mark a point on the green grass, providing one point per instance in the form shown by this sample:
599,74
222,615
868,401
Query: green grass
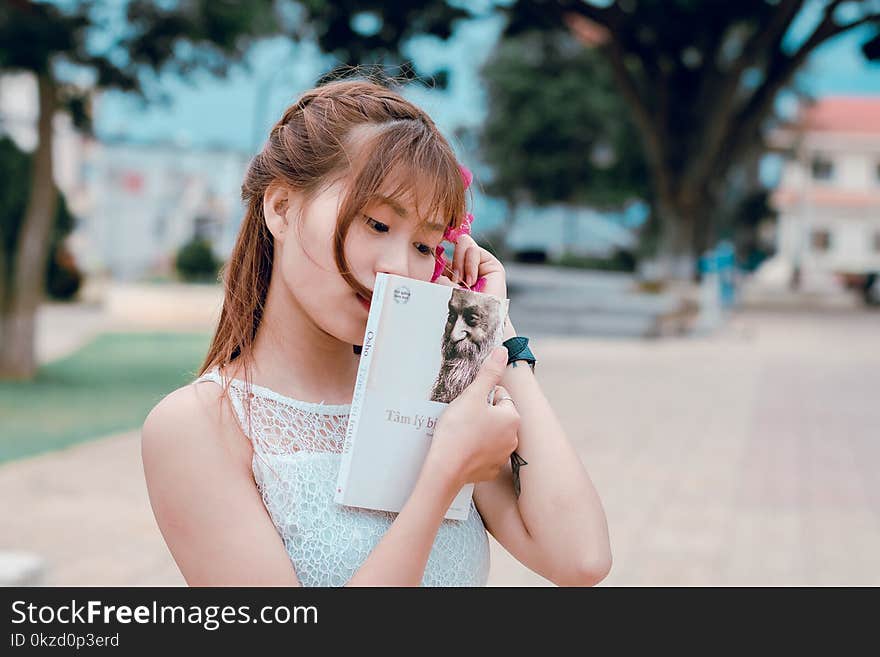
107,386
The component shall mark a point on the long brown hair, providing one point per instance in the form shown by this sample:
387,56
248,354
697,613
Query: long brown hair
353,130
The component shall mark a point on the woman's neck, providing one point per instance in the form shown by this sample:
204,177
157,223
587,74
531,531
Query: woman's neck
296,358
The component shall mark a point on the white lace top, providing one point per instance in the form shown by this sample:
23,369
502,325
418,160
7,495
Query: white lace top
297,451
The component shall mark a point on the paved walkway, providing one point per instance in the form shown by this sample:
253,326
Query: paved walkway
744,458
63,327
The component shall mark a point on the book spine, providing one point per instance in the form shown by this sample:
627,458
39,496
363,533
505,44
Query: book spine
360,386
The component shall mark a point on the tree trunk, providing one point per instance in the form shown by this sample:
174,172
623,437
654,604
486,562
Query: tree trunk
687,232
500,235
25,282
704,235
18,350
675,253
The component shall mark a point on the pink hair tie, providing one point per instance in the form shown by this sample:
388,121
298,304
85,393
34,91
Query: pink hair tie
439,263
452,235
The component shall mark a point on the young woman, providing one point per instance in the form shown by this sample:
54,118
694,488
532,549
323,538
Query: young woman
241,464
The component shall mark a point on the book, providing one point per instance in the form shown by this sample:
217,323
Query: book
423,345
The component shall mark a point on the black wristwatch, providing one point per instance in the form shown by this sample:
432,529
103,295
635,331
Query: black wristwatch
518,349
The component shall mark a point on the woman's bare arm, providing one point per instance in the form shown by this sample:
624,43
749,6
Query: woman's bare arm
204,497
557,526
399,559
208,507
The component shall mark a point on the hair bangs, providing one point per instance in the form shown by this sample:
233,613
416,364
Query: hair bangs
404,164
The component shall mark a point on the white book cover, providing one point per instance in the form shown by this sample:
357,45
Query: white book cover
424,344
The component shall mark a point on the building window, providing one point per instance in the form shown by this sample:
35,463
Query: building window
821,240
203,228
160,226
823,168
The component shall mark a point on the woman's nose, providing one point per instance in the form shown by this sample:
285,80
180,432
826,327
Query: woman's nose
393,261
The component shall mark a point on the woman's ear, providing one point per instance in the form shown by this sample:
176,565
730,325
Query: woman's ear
277,203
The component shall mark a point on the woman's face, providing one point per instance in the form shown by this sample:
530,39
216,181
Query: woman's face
385,237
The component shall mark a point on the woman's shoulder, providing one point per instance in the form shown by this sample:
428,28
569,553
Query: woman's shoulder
179,409
189,420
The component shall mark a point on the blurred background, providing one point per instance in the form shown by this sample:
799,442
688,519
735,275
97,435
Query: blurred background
685,194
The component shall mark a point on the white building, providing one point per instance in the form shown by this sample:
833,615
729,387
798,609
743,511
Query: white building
146,200
829,193
135,203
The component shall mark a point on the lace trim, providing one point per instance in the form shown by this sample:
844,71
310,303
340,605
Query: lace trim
327,541
281,425
268,393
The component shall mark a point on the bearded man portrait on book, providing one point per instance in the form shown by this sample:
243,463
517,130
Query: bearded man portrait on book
469,336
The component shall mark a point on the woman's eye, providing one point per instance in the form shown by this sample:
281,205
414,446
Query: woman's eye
378,226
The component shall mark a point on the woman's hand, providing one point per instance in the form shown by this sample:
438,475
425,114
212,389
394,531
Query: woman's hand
473,439
472,262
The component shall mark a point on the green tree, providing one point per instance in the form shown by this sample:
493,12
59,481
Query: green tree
45,39
195,261
62,277
50,40
546,140
700,80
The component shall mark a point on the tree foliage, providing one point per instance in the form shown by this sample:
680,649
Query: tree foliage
700,80
195,261
62,275
61,43
193,35
557,129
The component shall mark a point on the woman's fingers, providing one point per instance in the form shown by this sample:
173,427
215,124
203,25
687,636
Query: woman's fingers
470,262
458,259
472,265
466,261
463,246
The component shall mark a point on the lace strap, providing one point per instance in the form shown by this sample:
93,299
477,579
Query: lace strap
282,425
244,419
236,399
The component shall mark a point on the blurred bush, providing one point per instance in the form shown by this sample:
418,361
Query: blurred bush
621,260
64,278
196,261
532,256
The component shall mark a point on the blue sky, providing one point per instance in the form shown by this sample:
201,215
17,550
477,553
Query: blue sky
839,68
238,110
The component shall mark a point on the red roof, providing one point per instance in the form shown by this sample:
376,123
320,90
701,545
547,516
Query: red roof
826,197
843,114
